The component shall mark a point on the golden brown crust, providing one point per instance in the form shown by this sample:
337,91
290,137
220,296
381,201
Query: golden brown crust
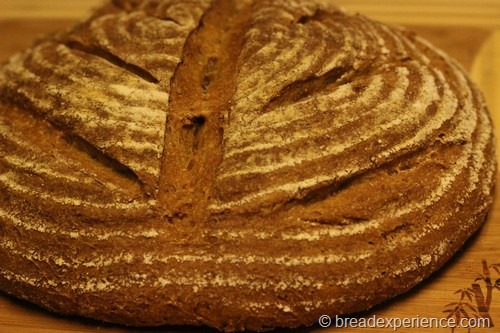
242,165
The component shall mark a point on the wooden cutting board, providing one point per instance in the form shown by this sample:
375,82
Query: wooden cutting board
469,30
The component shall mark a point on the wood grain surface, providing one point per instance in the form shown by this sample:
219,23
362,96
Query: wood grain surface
469,30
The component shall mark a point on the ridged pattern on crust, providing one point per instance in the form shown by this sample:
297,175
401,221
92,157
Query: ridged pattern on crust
350,160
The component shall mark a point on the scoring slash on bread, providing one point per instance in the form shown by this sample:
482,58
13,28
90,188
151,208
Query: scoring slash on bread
235,164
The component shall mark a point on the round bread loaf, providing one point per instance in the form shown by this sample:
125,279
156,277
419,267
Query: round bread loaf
236,164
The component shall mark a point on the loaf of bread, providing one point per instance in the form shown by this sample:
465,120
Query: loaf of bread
236,164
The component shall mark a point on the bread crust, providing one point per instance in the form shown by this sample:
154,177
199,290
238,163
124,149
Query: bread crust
235,164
